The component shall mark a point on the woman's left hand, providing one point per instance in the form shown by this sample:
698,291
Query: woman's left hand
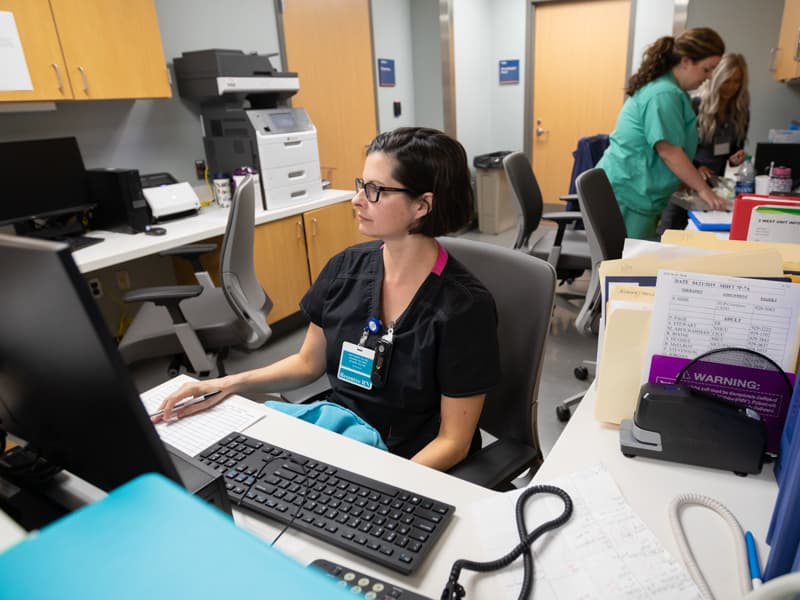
736,158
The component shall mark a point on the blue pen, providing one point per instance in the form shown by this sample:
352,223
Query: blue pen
752,560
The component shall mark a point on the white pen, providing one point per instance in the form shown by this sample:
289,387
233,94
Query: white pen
187,402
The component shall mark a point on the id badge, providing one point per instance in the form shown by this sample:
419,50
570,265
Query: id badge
720,149
355,365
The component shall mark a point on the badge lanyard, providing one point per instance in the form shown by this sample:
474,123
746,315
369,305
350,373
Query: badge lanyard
365,367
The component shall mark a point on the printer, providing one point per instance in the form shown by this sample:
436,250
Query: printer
247,122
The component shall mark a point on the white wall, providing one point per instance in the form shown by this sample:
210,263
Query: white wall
427,52
155,135
392,38
653,20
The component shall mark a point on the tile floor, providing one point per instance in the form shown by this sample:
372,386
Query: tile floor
566,348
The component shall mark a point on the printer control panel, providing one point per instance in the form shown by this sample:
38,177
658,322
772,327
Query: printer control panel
280,120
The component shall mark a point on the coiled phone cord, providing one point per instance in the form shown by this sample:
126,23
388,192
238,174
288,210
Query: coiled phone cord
745,583
455,591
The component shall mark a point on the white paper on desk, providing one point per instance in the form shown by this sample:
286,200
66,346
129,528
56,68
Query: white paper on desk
14,75
604,551
194,434
695,313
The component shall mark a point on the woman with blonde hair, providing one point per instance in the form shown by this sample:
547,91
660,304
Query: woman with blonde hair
723,117
655,139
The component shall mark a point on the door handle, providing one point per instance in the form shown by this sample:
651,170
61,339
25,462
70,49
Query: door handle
58,77
85,79
540,131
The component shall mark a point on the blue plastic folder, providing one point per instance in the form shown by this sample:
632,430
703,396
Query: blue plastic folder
150,539
712,220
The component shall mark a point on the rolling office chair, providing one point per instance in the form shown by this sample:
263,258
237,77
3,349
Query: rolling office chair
566,249
523,288
187,321
605,231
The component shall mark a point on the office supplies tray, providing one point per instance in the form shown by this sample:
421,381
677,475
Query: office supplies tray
384,523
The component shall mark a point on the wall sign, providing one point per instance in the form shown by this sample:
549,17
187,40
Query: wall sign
386,72
509,71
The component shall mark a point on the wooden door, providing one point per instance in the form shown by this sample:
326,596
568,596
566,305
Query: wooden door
39,39
580,51
786,63
112,48
329,46
329,230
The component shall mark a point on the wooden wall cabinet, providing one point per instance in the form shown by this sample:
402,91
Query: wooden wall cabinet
90,49
787,54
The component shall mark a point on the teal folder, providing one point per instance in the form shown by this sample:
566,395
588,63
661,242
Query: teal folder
150,539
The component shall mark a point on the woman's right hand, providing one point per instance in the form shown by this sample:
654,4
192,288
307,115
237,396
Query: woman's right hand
712,201
193,389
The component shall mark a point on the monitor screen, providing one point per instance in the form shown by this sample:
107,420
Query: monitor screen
781,155
42,178
63,386
283,121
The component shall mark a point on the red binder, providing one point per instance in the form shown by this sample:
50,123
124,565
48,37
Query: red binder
743,208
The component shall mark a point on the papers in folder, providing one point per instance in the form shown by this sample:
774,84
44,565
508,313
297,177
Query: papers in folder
711,220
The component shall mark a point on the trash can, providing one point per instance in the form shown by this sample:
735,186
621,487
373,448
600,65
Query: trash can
496,212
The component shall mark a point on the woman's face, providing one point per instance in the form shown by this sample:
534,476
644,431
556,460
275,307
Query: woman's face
731,85
690,74
394,212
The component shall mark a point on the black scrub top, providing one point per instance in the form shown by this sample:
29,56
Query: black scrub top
724,133
445,342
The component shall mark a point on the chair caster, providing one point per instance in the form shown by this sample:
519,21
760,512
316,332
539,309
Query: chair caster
581,373
563,413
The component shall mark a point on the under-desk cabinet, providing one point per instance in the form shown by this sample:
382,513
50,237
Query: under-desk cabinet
89,49
787,54
328,231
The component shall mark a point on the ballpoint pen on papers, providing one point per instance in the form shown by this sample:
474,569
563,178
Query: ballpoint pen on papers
752,560
187,402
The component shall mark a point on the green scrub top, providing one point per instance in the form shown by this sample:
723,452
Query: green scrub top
642,182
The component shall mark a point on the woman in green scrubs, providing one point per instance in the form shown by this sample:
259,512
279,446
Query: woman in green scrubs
655,139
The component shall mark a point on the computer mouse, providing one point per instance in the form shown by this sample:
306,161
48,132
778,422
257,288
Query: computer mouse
150,230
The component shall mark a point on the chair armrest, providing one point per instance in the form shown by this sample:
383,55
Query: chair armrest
169,295
497,463
189,250
565,217
308,393
568,197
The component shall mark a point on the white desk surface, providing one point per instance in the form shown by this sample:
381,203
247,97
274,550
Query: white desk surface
647,485
209,222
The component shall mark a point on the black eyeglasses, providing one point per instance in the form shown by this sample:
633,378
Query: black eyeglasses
373,191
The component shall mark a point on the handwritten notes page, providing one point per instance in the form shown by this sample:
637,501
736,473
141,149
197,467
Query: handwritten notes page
194,434
604,551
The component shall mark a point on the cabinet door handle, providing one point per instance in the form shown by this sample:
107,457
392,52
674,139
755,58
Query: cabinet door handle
797,47
773,56
300,229
314,227
58,77
85,79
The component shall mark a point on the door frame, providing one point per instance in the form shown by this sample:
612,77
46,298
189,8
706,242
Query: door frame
679,16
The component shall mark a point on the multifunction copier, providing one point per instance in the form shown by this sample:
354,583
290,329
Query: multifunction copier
247,122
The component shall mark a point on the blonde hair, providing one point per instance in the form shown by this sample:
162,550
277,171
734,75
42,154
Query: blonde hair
666,52
738,105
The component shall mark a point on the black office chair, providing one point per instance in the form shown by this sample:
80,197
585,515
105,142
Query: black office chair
605,232
523,288
566,249
190,321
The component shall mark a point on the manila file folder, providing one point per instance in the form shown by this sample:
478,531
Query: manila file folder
620,375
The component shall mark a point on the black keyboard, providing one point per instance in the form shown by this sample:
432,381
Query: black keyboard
389,525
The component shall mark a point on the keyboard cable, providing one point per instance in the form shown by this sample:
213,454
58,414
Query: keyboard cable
455,591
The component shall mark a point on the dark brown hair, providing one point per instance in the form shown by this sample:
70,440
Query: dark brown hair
666,52
428,160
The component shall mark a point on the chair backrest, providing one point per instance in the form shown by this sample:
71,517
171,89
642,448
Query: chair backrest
523,287
605,228
605,232
237,271
527,193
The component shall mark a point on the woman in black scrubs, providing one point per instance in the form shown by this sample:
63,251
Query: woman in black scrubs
403,293
723,117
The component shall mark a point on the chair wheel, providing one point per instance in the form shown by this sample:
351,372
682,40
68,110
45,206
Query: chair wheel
581,373
563,413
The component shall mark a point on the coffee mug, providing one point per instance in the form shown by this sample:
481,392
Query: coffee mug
762,184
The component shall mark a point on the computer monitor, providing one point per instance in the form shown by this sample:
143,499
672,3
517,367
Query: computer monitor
42,179
63,386
782,155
